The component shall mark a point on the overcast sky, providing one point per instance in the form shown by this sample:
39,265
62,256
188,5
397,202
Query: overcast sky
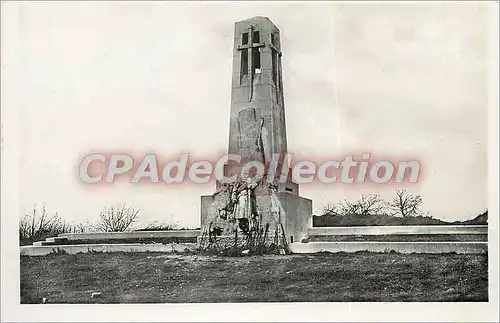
396,79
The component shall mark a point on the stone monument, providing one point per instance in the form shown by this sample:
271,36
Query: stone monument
256,214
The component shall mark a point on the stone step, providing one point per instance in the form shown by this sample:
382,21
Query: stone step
399,229
131,235
42,250
56,240
43,243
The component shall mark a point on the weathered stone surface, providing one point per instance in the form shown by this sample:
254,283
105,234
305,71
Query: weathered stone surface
251,139
244,216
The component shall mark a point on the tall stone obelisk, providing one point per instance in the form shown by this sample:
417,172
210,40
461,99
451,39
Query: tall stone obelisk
257,84
258,130
257,101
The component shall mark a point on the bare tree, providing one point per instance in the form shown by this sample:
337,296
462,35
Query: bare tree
117,218
330,209
367,204
405,204
41,224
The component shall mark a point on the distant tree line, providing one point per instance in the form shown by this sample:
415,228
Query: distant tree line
40,224
403,204
404,208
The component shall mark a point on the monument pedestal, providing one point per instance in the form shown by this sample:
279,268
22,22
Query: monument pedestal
296,220
298,216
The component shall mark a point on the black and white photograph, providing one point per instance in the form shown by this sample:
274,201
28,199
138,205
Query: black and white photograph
249,161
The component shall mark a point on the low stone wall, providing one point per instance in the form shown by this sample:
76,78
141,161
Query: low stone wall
404,229
132,235
401,247
88,248
400,238
312,247
87,244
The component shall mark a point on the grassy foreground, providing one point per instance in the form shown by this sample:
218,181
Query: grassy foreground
164,278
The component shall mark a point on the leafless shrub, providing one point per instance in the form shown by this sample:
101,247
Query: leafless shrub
367,204
330,209
117,218
41,224
405,204
83,227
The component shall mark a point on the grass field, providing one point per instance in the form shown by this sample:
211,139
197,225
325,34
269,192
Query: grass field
163,278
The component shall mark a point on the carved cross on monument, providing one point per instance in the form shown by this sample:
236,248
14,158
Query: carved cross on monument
248,48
